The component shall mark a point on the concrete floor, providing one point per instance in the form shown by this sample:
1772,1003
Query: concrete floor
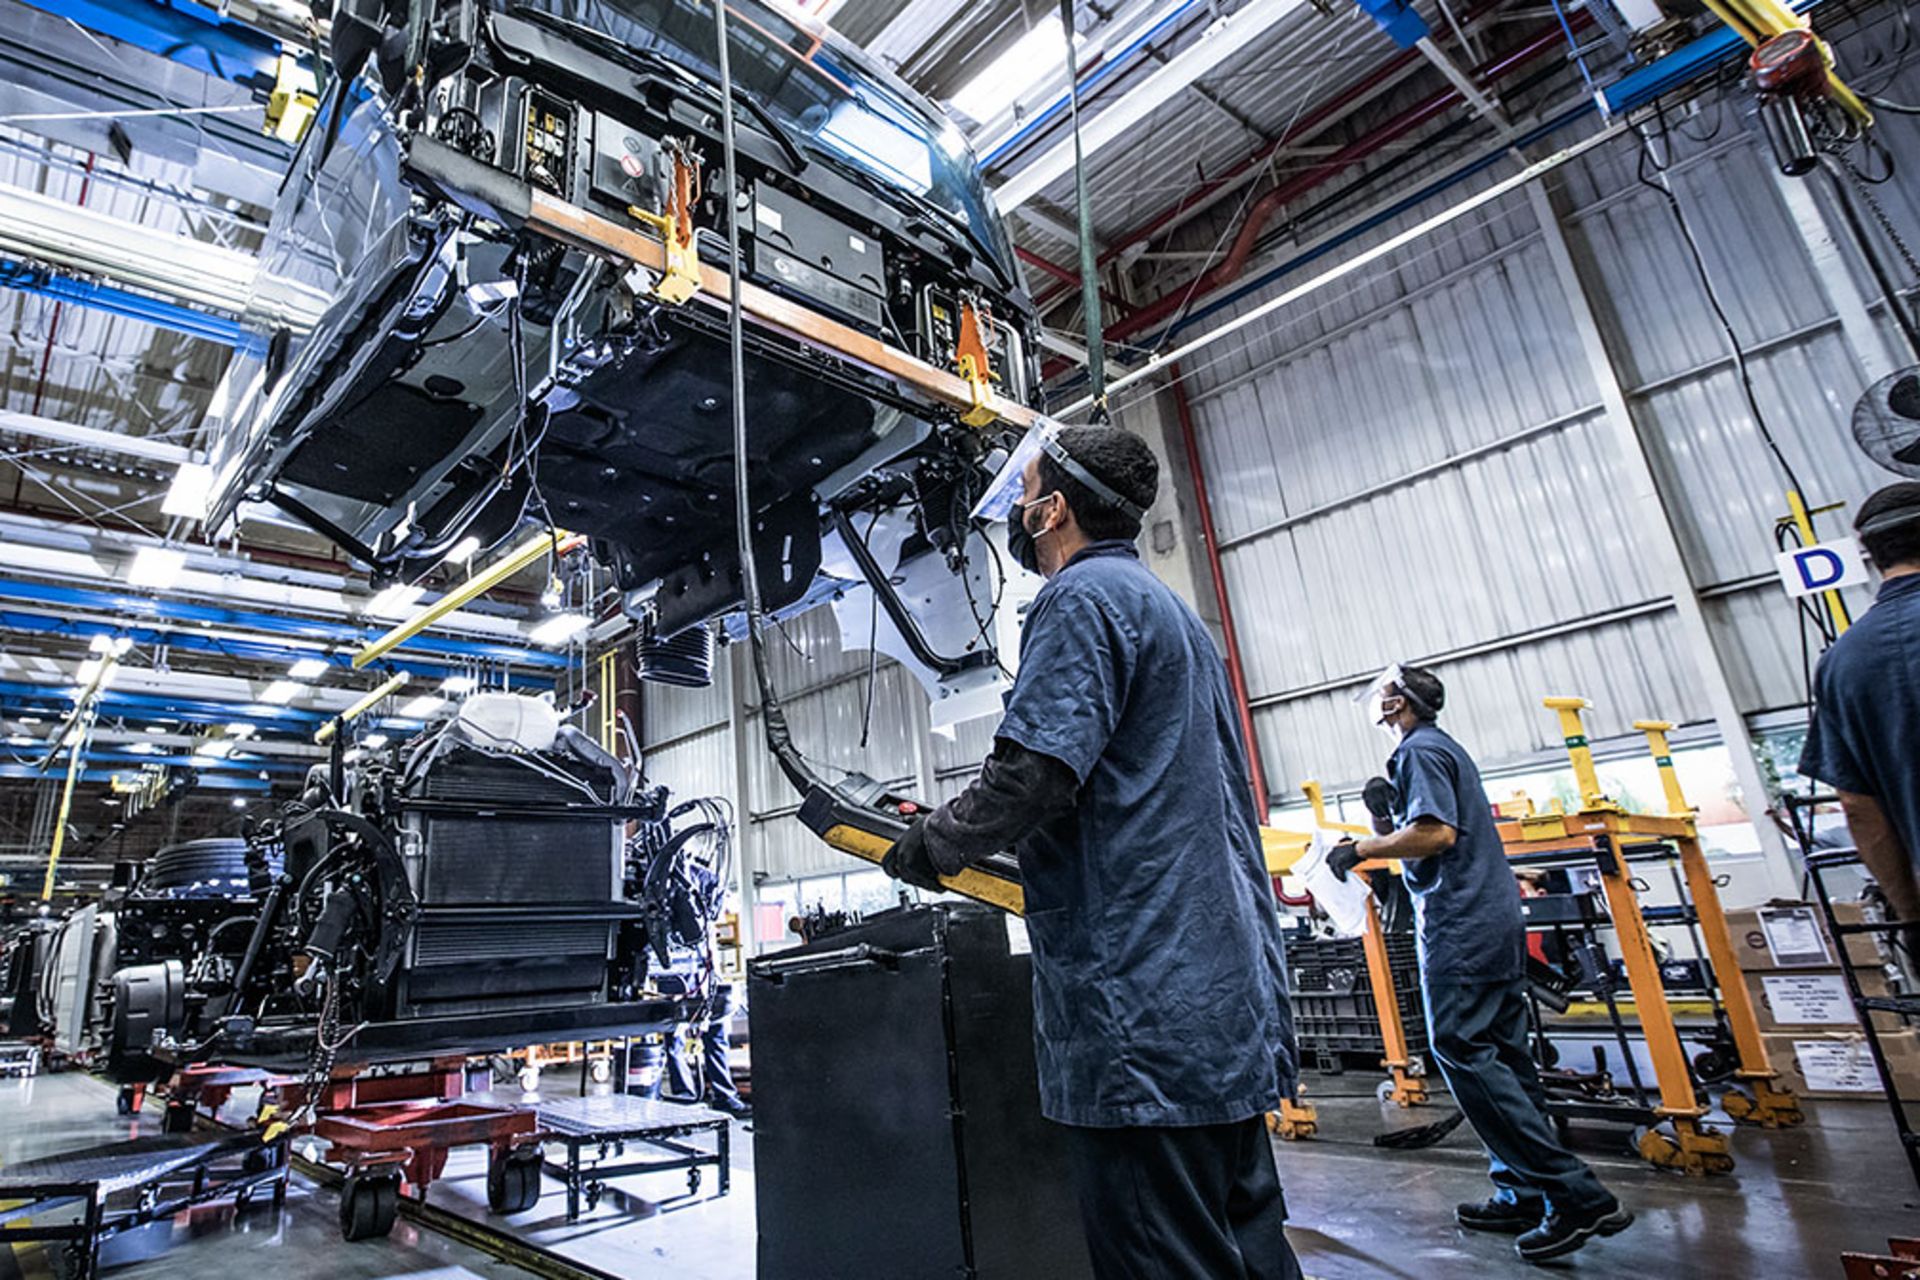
1795,1201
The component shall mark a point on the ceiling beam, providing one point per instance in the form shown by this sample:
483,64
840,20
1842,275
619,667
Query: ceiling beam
1218,44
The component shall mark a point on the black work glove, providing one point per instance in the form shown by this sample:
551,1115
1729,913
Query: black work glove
1344,858
1379,797
909,861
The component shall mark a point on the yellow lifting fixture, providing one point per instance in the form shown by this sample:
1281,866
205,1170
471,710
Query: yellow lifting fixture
680,273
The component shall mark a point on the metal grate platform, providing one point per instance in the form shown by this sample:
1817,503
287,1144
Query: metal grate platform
602,1125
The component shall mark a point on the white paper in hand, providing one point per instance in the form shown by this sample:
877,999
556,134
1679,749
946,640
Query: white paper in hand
1345,902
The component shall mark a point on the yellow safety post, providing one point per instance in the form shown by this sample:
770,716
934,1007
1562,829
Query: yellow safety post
609,694
1574,735
478,585
1657,731
390,685
66,811
1802,520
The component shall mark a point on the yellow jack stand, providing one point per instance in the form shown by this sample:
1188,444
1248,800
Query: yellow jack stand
1294,1121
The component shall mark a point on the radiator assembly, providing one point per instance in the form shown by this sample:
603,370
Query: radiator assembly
461,894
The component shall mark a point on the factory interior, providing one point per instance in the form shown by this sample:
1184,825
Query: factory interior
986,639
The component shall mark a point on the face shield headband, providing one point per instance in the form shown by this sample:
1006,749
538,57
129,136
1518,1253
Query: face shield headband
1004,490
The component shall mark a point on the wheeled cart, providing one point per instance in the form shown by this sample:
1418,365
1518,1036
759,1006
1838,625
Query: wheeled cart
601,1126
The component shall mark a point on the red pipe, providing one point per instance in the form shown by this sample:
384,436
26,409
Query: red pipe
1236,669
1059,272
53,323
1229,268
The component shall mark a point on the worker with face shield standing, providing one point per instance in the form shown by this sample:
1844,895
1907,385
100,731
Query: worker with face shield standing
1472,947
1162,1031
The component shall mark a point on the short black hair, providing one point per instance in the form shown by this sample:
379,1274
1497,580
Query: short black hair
1424,692
1899,542
1116,458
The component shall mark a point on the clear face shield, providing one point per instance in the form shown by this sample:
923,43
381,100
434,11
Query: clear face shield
1383,700
1009,482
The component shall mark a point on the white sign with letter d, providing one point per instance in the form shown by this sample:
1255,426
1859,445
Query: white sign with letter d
1825,566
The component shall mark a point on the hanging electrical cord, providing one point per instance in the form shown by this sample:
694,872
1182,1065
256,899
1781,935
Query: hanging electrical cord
1089,263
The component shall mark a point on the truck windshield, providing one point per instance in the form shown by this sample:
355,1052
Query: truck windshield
830,96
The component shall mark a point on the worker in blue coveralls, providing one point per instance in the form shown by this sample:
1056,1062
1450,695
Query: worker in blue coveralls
1162,1030
1472,947
1867,706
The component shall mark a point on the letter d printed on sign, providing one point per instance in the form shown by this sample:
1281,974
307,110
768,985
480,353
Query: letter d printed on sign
1825,566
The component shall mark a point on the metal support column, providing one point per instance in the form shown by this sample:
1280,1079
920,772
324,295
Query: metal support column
1663,545
1863,337
742,737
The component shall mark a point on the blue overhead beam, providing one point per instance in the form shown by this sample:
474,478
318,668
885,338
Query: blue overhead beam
190,34
193,641
36,698
183,611
211,782
158,312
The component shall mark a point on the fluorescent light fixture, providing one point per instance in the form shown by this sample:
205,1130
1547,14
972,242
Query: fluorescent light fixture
188,494
22,740
142,748
458,686
156,728
421,707
239,803
280,692
464,550
30,720
240,729
1002,82
558,629
374,740
394,601
156,567
308,669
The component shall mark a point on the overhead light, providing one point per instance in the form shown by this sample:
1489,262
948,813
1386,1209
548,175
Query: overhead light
374,740
239,803
219,748
558,629
156,728
22,740
464,550
156,567
240,729
421,707
458,686
188,494
264,776
1002,82
281,692
142,748
30,720
394,601
306,669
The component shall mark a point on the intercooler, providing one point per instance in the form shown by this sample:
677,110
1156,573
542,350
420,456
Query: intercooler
520,893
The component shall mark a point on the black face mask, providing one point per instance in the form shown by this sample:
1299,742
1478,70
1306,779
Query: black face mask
1020,541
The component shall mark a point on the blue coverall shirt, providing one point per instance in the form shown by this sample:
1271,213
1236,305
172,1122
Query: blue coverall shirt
1159,976
1865,735
1465,903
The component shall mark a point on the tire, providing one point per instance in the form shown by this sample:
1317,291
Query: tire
513,1181
369,1203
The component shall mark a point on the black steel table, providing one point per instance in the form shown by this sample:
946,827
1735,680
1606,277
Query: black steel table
603,1125
114,1188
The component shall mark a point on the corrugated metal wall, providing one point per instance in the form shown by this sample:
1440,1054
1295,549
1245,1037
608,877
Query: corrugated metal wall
1415,463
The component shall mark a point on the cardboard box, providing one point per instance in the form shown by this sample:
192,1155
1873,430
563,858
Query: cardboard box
1840,1065
1793,935
1814,999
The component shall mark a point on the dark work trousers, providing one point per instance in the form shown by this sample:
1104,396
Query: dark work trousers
716,1068
1479,1033
1200,1202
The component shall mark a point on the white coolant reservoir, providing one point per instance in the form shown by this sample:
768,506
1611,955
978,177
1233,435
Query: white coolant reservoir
507,720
